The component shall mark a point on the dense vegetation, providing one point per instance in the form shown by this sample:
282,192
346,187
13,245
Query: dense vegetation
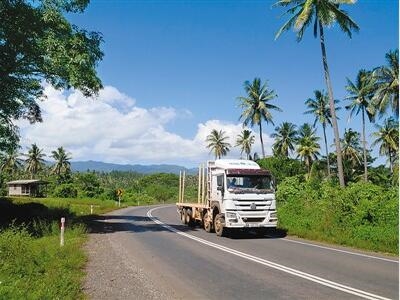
32,263
363,215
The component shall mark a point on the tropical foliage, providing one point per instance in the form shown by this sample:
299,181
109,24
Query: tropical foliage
360,95
319,107
37,44
35,160
308,147
387,137
245,140
323,13
256,106
217,143
285,136
387,85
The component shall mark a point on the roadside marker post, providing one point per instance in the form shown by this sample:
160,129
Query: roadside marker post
62,232
119,194
91,209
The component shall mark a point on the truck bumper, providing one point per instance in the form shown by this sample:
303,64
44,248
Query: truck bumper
251,219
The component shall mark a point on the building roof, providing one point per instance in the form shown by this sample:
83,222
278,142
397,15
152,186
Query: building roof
27,181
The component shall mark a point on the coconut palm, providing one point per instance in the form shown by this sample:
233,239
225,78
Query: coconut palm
351,148
62,164
319,107
245,140
387,77
256,106
11,162
387,136
360,95
307,146
34,162
324,13
285,136
217,143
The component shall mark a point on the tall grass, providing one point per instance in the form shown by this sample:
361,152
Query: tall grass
32,263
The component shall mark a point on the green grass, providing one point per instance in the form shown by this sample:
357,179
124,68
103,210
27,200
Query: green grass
32,263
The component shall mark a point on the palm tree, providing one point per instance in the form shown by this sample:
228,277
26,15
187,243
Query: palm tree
62,164
360,93
245,140
34,162
351,148
387,77
324,13
308,147
11,162
217,143
319,107
352,153
256,106
285,139
388,138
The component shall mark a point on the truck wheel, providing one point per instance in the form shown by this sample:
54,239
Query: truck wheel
219,223
183,216
189,219
207,223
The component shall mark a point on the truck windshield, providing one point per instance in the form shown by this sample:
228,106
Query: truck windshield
249,183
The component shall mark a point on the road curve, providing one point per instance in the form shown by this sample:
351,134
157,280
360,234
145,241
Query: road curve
194,264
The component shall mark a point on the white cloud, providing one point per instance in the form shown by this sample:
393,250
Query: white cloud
113,128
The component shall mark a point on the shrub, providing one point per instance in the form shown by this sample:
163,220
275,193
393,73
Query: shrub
67,190
362,215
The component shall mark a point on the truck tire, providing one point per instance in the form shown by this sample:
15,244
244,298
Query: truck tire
207,223
189,220
219,224
183,216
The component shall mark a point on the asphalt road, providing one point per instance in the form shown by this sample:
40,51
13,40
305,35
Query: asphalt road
199,265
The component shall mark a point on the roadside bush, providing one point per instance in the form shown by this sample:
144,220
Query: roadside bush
67,190
362,215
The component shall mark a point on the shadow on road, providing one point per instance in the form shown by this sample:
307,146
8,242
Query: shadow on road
140,224
136,224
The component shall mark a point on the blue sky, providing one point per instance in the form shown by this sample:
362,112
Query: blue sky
190,59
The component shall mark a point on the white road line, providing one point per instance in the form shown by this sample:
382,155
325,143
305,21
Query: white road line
319,280
339,250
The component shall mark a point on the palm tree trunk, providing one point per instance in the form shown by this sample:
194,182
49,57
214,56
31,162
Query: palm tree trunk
262,142
364,147
326,150
391,161
332,107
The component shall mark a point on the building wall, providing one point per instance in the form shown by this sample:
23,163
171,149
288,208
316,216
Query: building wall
21,190
14,190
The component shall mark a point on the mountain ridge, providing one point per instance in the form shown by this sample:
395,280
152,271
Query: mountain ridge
91,165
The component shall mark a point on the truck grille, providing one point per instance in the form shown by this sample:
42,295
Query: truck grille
250,205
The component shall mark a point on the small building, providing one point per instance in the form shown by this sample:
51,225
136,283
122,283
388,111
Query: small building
30,188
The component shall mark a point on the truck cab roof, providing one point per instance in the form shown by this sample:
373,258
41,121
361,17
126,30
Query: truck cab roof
236,164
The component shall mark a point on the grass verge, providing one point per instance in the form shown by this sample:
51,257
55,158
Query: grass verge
32,263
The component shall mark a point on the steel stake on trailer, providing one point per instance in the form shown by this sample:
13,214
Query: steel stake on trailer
199,186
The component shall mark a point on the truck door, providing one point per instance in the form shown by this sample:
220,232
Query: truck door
218,187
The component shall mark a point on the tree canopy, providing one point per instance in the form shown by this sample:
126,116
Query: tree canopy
37,45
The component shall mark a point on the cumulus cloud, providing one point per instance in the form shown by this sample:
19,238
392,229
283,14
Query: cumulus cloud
113,128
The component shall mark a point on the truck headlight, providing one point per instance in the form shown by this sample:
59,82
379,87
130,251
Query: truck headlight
231,215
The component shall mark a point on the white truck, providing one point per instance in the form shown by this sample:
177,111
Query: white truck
232,194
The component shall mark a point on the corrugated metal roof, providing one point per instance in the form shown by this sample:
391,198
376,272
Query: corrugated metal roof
26,181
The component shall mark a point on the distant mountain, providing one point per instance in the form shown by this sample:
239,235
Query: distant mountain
82,166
